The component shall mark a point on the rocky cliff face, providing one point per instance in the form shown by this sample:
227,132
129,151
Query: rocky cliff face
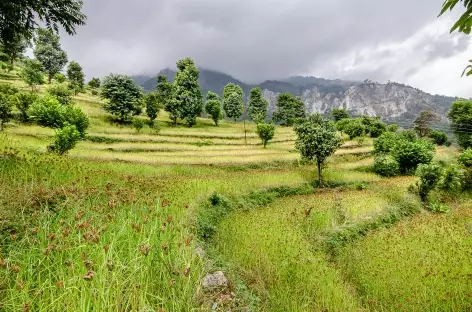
391,100
387,101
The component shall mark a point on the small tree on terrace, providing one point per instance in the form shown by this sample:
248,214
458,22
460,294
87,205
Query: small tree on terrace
289,109
422,123
266,132
233,99
32,73
187,94
76,77
339,113
317,140
213,107
165,95
94,83
123,95
49,52
152,105
257,106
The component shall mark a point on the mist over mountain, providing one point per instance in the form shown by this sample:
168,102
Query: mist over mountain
388,101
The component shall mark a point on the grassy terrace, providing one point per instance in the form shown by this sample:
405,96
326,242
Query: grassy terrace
113,226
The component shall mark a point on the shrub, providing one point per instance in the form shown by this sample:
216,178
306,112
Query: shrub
46,112
393,128
94,92
60,77
438,207
61,92
65,139
429,175
138,124
6,106
355,128
75,116
466,158
409,135
23,103
451,179
409,154
386,166
385,143
438,137
376,128
265,132
8,89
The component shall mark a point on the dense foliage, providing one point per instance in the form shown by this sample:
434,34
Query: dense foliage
23,103
290,109
76,77
460,116
386,166
61,92
339,114
439,138
429,175
94,83
123,96
164,93
233,104
32,73
266,132
151,101
49,52
422,123
65,139
213,107
257,106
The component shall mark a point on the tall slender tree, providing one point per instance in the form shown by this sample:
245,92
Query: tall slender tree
213,107
289,109
76,76
165,97
187,94
233,104
257,106
49,52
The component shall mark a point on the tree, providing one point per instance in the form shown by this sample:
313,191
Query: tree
151,101
213,107
265,132
409,154
257,106
123,95
61,92
76,77
94,83
65,139
438,137
20,17
6,107
164,91
460,116
289,109
463,24
355,128
49,52
317,140
423,122
339,114
23,103
32,73
233,101
187,95
429,177
15,48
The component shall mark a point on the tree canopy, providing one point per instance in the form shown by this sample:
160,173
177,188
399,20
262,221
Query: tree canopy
289,109
213,107
257,106
233,101
20,17
76,76
49,52
460,115
422,123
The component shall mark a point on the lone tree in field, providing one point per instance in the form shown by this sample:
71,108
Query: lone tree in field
76,77
151,100
187,95
317,140
32,73
339,114
20,17
257,106
289,109
49,52
213,107
15,48
460,116
422,123
123,95
164,91
94,83
233,101
266,132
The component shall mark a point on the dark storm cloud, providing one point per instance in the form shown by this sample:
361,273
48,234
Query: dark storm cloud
252,40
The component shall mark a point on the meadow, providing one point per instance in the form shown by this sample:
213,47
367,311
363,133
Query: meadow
116,224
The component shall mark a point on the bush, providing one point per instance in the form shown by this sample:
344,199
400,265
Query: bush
23,103
75,116
451,179
94,92
393,128
138,124
60,77
409,135
385,143
376,128
438,207
47,112
429,175
386,166
8,89
465,158
65,139
409,154
265,132
355,128
6,106
438,137
61,92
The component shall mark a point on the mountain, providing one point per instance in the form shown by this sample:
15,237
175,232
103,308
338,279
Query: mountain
388,101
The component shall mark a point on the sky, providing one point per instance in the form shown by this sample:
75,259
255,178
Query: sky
257,40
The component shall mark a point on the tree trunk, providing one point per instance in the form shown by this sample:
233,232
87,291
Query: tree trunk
320,177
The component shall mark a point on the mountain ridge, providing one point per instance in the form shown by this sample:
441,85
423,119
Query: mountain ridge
388,101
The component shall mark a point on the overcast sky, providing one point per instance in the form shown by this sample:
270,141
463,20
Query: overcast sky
255,40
